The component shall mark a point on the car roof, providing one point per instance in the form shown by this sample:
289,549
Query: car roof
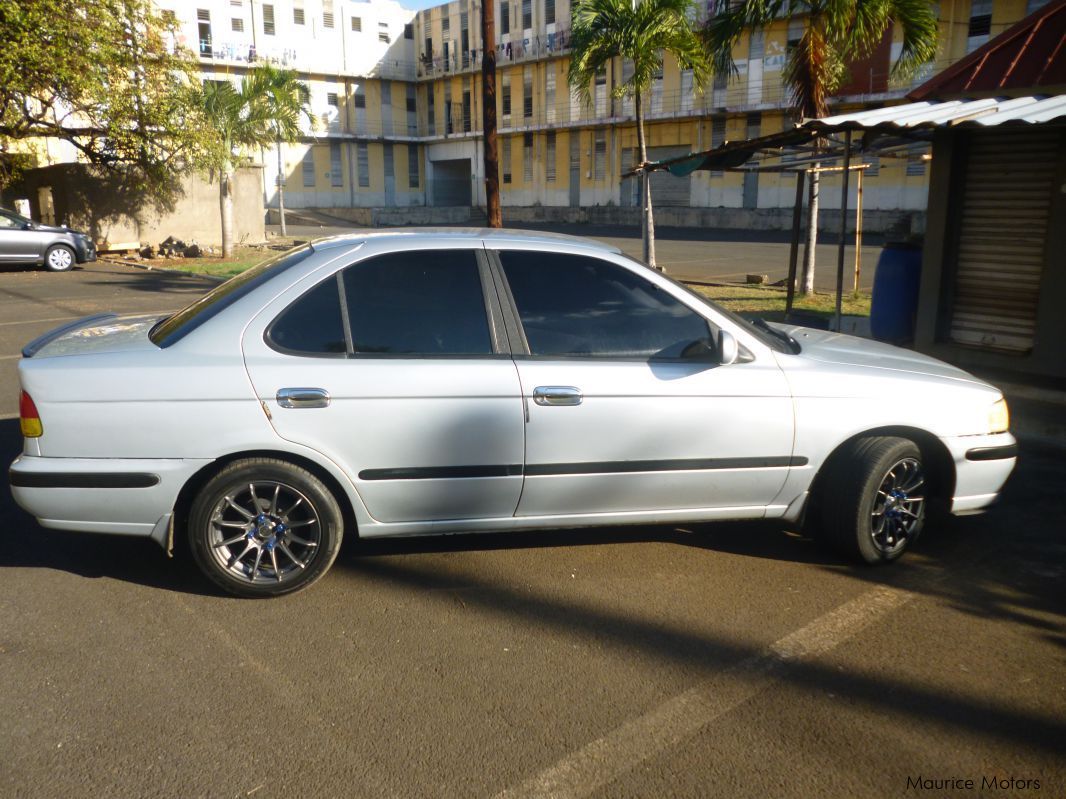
490,235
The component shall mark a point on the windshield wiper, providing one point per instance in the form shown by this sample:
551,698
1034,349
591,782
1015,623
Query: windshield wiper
763,325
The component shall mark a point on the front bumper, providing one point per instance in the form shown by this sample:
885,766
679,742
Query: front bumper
100,495
982,466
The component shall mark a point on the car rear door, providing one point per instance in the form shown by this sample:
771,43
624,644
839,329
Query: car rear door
618,419
411,389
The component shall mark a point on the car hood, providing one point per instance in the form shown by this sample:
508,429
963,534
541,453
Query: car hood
95,334
57,229
828,347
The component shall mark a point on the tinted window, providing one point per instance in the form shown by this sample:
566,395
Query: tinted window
312,325
176,327
573,305
422,302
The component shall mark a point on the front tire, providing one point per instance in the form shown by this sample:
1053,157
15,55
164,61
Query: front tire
263,527
59,258
872,501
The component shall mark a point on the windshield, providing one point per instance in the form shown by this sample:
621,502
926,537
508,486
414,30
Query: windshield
176,327
771,337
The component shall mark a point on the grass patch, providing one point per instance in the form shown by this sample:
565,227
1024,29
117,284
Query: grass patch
770,303
243,258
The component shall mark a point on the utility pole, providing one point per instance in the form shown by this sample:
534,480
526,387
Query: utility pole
488,112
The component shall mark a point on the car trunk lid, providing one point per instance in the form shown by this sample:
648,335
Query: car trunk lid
94,334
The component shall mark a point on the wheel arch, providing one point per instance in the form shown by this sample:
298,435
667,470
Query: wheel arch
197,481
939,465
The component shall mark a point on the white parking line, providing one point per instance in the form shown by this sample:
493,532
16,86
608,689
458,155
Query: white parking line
682,717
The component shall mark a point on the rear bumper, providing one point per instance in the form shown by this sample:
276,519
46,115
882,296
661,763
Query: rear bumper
99,495
982,466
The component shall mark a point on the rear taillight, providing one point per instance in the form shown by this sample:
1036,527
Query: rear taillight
29,419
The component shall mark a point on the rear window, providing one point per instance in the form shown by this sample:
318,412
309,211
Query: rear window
175,328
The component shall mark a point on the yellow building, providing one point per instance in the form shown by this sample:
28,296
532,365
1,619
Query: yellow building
397,99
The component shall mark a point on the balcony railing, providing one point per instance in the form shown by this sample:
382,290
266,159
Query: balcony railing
457,62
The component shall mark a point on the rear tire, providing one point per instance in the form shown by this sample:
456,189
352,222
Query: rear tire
59,258
263,527
872,498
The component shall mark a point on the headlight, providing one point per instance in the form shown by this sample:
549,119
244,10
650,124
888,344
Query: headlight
998,417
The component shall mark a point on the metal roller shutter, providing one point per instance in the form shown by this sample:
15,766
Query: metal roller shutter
666,189
1002,236
451,182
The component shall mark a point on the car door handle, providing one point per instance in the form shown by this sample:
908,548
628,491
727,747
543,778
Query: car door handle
303,398
557,395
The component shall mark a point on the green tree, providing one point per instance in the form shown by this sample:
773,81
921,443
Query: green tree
106,76
265,110
640,31
837,33
287,103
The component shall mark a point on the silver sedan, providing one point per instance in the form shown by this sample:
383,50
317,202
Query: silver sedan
425,382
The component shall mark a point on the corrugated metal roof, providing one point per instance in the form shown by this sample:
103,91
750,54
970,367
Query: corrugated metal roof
952,113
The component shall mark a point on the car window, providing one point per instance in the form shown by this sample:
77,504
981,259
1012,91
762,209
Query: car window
312,325
10,222
574,305
176,327
419,302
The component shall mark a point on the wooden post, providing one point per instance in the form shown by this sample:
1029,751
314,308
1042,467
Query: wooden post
843,225
793,252
858,229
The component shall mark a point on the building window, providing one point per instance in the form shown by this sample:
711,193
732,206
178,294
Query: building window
445,24
505,17
268,20
549,157
409,31
357,24
466,111
527,157
386,152
383,33
336,173
203,17
527,93
360,98
980,24
327,13
527,14
915,165
505,157
506,94
363,164
298,12
549,12
309,168
236,3
874,166
599,161
236,24
549,90
412,165
431,110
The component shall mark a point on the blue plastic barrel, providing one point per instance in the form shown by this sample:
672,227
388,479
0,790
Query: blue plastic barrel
894,304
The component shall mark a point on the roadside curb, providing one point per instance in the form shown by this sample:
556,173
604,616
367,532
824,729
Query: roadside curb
150,268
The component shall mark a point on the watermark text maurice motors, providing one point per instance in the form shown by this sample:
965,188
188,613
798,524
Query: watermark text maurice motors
990,782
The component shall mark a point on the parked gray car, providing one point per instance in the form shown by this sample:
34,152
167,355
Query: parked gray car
23,241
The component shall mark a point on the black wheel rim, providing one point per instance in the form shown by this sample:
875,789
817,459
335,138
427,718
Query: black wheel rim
264,532
898,506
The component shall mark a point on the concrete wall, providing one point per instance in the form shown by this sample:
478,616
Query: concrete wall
896,223
115,211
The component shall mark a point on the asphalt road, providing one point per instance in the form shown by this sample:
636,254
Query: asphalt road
734,660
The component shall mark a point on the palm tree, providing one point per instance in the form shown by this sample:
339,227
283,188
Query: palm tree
265,109
286,100
640,31
837,33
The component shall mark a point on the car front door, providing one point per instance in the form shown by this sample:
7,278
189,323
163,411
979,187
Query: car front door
393,368
16,243
626,411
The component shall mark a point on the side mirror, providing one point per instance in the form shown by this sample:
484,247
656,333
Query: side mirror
28,226
728,349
